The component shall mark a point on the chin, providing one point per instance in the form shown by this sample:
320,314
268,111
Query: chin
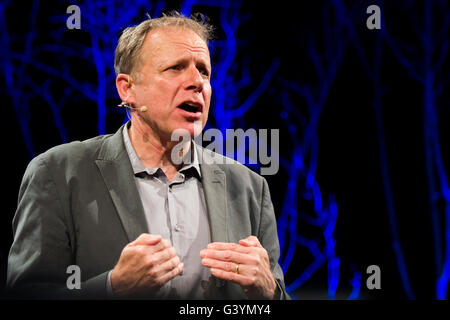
193,129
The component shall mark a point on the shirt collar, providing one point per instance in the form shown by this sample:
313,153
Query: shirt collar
139,167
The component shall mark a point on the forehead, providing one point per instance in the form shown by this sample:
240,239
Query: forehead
172,42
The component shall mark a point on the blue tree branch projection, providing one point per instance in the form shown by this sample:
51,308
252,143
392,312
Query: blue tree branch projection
301,166
12,72
423,67
46,69
373,71
101,23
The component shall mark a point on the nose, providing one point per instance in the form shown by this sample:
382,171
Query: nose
194,80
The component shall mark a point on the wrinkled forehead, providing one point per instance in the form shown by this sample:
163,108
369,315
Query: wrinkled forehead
164,42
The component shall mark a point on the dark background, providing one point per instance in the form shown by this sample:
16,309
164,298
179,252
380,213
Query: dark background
350,103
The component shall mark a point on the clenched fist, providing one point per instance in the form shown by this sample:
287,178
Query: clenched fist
144,266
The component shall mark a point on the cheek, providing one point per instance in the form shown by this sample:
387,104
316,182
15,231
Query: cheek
157,97
207,96
147,96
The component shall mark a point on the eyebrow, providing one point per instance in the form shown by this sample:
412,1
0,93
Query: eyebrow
200,63
204,65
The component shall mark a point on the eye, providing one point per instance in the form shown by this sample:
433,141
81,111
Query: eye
203,71
176,67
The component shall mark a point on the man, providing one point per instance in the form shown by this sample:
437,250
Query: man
119,207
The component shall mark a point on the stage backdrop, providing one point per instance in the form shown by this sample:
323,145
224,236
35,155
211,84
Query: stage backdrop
359,94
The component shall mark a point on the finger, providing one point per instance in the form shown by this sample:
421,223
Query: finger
251,241
171,274
224,265
147,250
240,279
228,255
146,239
163,255
228,246
167,266
163,244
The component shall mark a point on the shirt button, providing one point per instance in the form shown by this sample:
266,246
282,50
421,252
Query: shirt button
170,189
178,227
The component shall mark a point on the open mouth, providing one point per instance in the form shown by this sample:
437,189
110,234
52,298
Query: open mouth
190,107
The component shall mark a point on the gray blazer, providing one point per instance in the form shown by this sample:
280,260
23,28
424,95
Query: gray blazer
79,205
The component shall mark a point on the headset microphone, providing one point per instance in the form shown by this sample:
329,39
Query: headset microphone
126,105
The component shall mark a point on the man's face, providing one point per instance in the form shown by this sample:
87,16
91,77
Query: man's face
173,81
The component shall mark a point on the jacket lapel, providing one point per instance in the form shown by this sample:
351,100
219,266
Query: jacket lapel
214,187
115,167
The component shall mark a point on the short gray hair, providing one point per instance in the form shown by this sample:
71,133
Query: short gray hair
130,42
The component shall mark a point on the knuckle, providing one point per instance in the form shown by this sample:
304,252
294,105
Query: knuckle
263,252
227,255
166,243
164,255
141,237
174,272
140,251
172,252
254,260
174,262
152,274
145,236
127,250
151,261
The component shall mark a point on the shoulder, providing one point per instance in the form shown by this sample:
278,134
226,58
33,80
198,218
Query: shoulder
68,154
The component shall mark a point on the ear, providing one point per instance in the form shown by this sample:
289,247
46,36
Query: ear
125,88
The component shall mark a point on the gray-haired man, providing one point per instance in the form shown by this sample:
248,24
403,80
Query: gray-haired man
135,223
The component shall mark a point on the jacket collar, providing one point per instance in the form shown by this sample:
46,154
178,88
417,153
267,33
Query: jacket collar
115,167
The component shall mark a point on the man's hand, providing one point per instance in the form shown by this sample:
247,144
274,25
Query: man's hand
246,264
144,266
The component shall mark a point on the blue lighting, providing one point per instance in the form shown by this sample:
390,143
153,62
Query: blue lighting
83,71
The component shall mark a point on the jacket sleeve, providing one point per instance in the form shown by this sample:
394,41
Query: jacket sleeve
268,237
44,239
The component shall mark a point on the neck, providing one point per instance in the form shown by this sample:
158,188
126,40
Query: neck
152,149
